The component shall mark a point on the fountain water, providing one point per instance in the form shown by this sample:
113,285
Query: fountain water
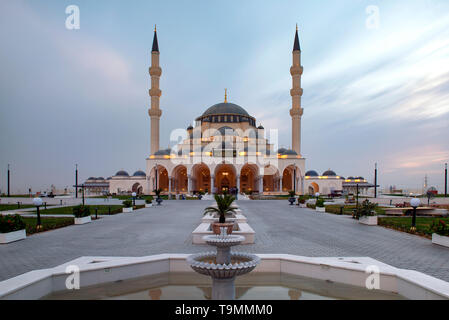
223,265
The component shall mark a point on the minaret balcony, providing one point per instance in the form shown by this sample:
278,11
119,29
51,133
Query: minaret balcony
155,92
296,92
296,70
296,112
155,113
155,71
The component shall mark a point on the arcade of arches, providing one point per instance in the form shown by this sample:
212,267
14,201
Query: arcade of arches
225,177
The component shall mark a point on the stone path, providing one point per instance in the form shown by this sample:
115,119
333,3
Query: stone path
279,229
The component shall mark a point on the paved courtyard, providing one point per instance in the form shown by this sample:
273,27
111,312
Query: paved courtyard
279,229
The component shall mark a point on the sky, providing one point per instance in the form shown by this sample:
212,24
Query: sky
376,83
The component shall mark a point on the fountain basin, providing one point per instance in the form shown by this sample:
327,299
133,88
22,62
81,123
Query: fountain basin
241,229
101,271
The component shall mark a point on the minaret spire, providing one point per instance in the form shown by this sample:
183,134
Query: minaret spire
155,94
155,44
296,112
226,96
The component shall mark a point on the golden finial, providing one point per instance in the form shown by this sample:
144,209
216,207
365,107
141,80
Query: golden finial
296,27
226,96
154,28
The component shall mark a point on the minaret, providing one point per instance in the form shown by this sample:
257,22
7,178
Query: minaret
155,94
296,93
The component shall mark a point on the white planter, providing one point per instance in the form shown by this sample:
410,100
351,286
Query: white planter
148,205
320,209
368,220
127,210
302,205
440,240
83,220
12,236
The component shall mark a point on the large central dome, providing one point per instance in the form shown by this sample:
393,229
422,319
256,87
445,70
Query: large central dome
225,108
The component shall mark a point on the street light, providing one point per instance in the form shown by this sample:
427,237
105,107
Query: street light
415,203
134,198
317,195
38,202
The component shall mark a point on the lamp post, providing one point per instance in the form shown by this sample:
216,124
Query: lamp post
76,181
445,180
415,203
8,182
134,198
38,202
375,181
317,195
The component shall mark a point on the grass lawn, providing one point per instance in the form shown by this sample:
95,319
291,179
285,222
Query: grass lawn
7,207
47,224
102,210
423,224
348,209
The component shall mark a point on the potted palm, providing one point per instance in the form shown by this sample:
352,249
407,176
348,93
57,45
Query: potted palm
440,234
292,198
367,213
12,228
127,206
158,196
224,207
82,214
149,202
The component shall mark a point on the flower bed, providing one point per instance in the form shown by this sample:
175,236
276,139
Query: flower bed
12,228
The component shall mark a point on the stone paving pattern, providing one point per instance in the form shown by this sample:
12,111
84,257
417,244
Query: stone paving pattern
279,229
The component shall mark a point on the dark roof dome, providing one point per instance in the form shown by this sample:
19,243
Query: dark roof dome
165,152
139,174
282,150
225,108
92,178
311,173
190,127
351,178
122,173
360,178
291,153
329,173
260,127
100,178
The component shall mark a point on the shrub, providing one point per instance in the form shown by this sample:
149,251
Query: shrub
440,228
302,199
366,209
11,223
292,194
319,203
127,203
81,211
149,200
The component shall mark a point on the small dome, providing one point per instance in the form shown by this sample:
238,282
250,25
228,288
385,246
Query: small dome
109,178
122,173
282,150
165,152
100,178
329,173
290,153
139,174
260,127
92,178
351,178
190,128
342,178
311,173
360,178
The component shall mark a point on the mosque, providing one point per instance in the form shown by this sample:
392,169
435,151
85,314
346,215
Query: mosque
225,150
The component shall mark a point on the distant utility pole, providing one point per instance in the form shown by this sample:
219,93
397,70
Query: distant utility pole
9,182
375,181
76,181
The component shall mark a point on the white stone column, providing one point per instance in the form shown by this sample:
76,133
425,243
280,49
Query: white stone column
169,184
212,184
280,184
189,183
238,182
260,184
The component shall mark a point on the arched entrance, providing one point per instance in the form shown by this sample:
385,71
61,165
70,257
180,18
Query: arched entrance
248,176
137,188
201,178
160,178
225,178
180,180
313,188
270,179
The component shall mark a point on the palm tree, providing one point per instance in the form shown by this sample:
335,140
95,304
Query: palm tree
224,203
